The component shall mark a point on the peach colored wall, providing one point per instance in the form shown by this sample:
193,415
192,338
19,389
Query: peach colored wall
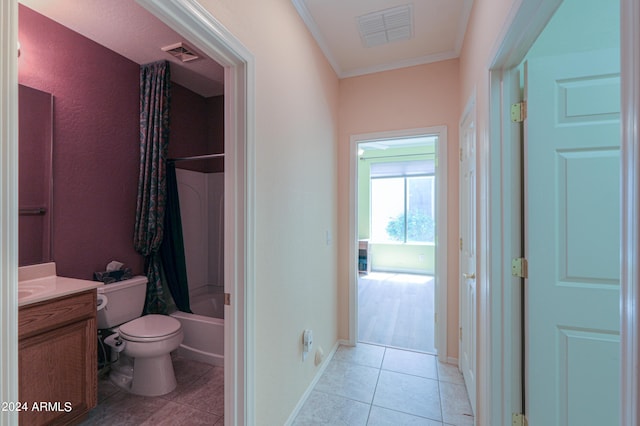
296,124
484,32
480,42
414,97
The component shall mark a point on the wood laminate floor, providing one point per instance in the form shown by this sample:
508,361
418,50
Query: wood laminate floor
397,310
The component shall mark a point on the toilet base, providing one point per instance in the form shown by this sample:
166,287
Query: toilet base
153,376
144,376
121,372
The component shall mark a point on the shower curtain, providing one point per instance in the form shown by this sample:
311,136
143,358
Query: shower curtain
172,248
158,231
154,140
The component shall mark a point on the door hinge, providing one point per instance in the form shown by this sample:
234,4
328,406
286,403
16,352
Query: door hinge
518,419
519,267
460,243
460,334
460,154
227,299
519,112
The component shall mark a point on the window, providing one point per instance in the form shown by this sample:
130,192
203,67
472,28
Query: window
402,207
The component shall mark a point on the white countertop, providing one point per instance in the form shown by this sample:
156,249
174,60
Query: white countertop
38,283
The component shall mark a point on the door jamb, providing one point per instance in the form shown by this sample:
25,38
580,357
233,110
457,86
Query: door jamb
469,113
193,21
9,207
630,252
441,230
523,24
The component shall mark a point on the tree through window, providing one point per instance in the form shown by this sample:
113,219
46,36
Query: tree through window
402,209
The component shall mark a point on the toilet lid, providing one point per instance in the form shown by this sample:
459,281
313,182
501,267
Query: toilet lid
150,326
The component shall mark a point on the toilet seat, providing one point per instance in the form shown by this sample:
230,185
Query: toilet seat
150,328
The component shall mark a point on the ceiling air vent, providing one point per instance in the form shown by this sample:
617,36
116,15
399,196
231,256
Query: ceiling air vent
181,51
385,26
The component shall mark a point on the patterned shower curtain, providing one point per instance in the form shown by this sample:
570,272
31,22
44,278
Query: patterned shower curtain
150,210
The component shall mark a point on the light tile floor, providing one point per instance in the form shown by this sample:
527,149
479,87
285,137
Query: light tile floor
197,400
375,385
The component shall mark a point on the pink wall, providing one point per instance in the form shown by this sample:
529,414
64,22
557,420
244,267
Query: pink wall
415,97
96,144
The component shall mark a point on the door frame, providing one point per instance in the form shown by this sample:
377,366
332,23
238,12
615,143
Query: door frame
193,21
525,22
468,116
190,19
9,207
441,230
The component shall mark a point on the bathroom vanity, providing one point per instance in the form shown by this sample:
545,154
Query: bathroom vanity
57,349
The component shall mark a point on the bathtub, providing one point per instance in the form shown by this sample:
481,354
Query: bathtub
203,334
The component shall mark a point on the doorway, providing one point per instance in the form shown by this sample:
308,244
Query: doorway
398,204
467,267
194,22
190,19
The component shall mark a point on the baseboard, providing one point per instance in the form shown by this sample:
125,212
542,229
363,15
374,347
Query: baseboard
343,342
306,393
452,361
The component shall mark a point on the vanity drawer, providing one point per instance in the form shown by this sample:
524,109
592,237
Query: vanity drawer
50,314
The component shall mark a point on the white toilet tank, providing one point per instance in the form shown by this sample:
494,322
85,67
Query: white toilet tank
125,301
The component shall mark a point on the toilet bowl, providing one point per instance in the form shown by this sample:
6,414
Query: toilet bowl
140,346
149,341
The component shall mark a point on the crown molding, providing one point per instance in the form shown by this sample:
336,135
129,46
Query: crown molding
437,57
313,28
462,25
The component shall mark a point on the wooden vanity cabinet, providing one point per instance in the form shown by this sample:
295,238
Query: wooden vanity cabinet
57,360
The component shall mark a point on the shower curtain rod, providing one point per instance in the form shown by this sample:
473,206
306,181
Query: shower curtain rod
197,157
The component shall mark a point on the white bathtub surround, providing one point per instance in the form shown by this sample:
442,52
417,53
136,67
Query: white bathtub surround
208,301
202,212
203,338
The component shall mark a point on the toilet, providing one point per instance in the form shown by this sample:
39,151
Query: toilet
140,345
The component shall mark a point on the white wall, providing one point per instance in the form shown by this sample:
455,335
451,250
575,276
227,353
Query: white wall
215,202
296,112
192,191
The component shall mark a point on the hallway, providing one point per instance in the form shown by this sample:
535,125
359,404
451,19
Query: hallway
374,385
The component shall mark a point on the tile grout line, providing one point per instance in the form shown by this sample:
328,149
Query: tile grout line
375,389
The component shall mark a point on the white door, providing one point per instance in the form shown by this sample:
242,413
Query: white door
572,222
468,254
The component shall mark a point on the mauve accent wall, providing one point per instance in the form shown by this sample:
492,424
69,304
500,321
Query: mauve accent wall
96,143
197,128
35,176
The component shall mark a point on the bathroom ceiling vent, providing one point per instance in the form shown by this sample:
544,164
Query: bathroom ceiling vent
181,51
386,26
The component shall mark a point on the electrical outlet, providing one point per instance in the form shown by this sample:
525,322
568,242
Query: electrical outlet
307,343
